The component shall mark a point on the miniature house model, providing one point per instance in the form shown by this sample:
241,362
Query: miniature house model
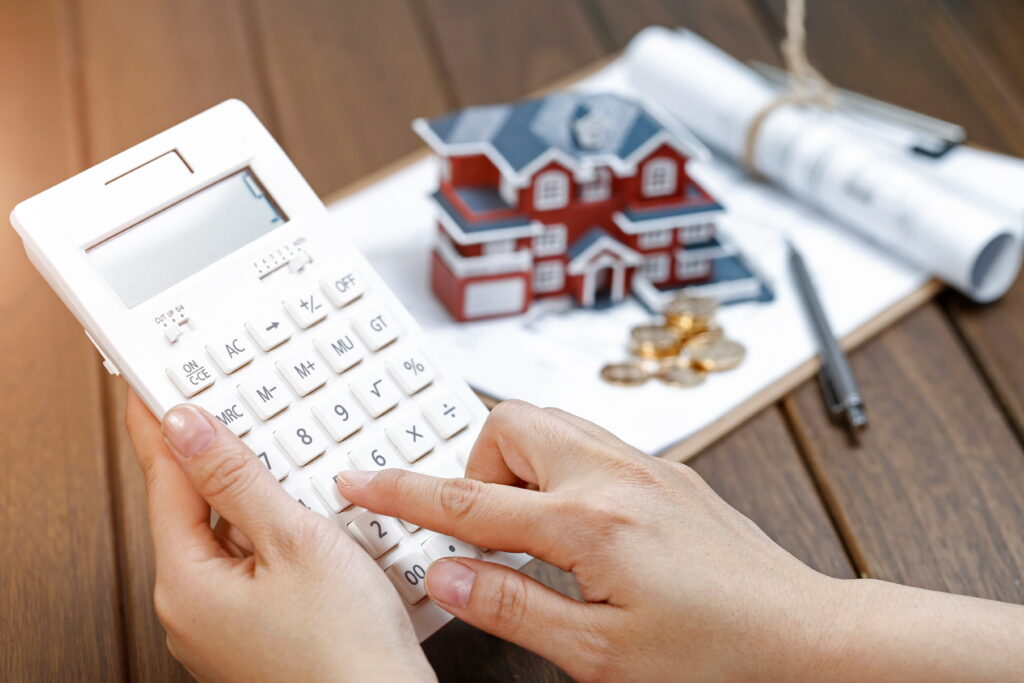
578,194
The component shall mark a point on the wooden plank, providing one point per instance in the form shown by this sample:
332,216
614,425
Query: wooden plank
185,57
346,80
849,44
931,497
59,607
499,51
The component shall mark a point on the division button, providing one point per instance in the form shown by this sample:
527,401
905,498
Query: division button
446,414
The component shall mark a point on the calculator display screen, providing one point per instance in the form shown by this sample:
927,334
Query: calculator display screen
148,257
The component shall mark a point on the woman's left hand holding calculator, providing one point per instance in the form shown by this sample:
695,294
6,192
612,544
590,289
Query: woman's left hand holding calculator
274,591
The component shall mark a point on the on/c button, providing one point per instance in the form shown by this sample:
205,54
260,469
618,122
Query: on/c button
191,375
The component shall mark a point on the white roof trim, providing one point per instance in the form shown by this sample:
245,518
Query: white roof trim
686,145
480,266
579,262
467,238
669,222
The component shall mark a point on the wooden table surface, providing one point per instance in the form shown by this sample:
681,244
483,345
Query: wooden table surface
932,498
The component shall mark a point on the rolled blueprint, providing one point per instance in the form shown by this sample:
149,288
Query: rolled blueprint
926,219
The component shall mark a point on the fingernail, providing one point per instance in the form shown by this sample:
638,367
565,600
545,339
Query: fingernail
450,582
187,431
353,478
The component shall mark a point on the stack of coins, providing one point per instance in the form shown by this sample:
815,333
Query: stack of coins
681,350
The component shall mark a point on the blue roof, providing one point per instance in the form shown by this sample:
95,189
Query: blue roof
580,245
482,198
516,221
522,132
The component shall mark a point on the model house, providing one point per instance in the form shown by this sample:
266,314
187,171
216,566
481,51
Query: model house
579,194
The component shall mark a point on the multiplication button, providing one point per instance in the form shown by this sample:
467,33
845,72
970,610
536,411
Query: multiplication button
344,287
412,437
191,374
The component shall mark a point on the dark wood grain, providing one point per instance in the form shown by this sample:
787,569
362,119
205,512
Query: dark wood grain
931,497
498,51
185,57
59,615
852,44
346,79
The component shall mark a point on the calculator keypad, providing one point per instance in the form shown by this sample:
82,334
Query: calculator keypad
326,382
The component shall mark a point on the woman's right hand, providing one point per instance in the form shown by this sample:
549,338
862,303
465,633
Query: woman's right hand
676,583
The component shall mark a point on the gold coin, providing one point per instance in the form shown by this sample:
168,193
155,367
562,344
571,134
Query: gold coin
705,337
681,375
718,356
654,341
628,374
692,307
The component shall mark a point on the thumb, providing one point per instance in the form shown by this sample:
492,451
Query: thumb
513,606
226,473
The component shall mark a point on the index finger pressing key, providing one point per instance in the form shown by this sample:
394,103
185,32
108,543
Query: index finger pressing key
486,515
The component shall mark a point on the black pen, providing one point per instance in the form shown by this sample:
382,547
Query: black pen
837,382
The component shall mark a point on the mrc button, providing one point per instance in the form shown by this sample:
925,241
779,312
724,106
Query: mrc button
191,374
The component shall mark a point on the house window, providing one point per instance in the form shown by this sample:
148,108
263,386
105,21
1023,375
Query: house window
698,232
509,192
598,188
692,268
656,267
655,239
548,276
551,191
550,242
499,247
660,177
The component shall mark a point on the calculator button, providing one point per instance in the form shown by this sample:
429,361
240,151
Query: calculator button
304,370
375,455
411,369
231,352
376,327
302,439
306,308
410,527
411,436
306,498
438,547
376,533
376,392
409,575
173,332
327,489
340,347
338,413
191,375
446,414
270,330
233,414
344,288
269,453
265,393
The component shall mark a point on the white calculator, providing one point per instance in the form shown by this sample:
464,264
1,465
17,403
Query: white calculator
205,269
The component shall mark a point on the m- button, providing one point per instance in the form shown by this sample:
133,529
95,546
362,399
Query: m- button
191,375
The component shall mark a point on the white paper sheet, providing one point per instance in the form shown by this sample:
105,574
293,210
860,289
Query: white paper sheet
972,244
553,359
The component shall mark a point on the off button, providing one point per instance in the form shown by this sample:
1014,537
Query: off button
191,374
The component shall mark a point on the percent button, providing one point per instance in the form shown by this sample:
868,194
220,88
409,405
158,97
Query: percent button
410,369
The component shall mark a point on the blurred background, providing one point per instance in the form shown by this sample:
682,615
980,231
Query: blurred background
932,498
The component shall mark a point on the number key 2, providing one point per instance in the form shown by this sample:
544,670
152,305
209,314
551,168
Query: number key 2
376,533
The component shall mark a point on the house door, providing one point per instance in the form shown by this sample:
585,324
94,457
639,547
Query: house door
608,284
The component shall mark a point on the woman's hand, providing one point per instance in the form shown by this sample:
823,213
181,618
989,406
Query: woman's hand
676,582
275,592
